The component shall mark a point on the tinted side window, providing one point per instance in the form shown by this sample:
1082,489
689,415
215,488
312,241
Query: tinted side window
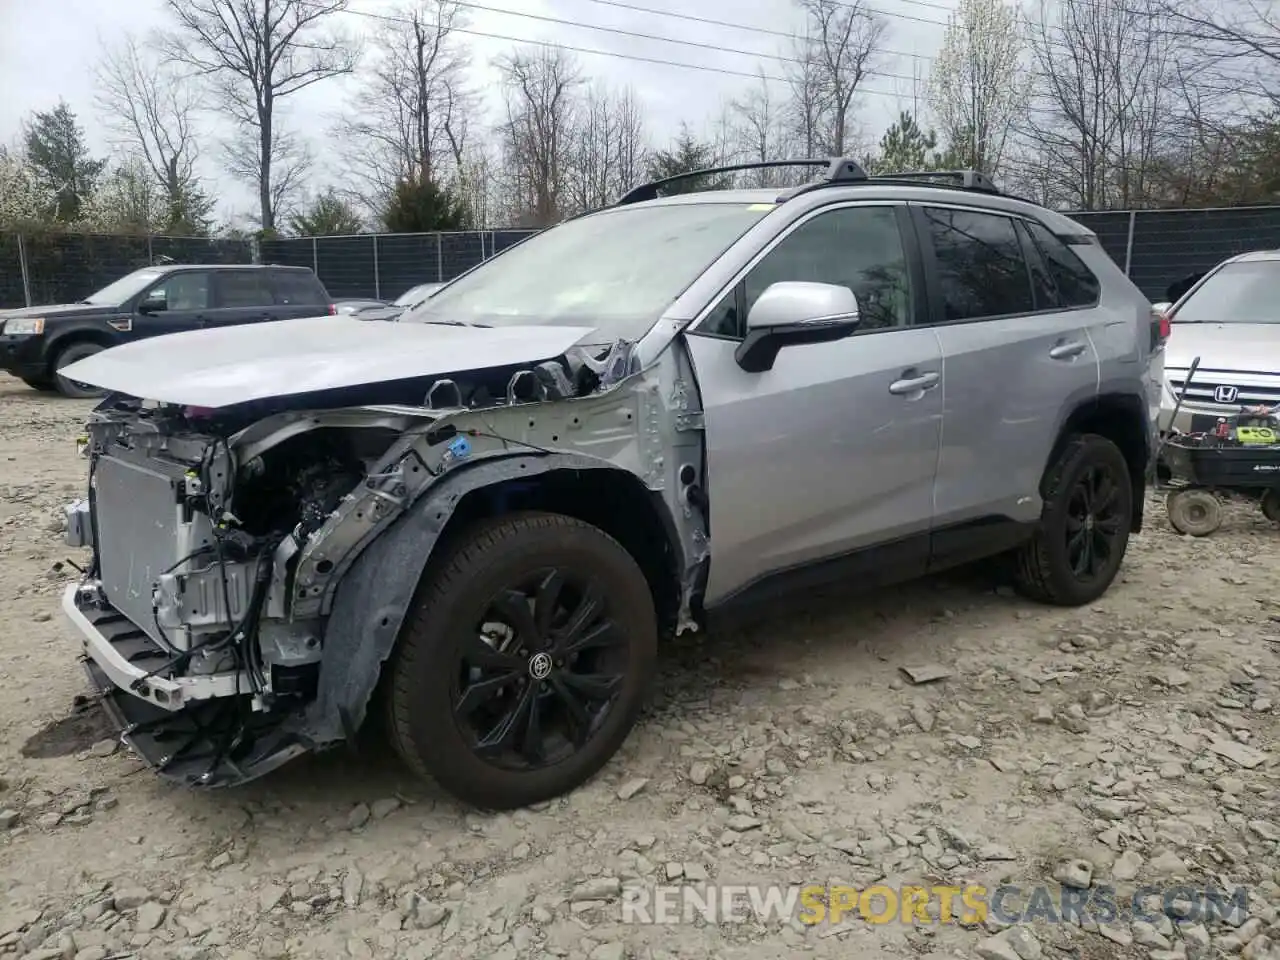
238,288
295,287
1077,286
1042,286
857,247
182,291
980,264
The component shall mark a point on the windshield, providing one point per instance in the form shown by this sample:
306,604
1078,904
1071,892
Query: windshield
1245,292
616,270
114,294
414,295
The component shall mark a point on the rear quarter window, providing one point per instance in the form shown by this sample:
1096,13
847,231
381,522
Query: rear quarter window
298,288
1075,283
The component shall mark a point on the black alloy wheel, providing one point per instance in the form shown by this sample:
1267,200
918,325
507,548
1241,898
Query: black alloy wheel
541,671
1094,521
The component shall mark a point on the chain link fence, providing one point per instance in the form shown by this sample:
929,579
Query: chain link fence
1156,248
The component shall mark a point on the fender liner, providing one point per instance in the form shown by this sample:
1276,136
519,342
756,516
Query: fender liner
375,594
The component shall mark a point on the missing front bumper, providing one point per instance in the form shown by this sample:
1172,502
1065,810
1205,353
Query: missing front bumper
135,663
196,731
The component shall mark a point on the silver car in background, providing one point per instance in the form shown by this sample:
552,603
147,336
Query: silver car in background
1231,320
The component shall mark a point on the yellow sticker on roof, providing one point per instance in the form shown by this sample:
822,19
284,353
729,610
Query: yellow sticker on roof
761,206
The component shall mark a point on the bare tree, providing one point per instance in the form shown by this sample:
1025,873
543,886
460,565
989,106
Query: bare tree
409,118
979,84
805,107
609,151
762,132
1101,99
257,53
150,108
1240,39
542,103
843,43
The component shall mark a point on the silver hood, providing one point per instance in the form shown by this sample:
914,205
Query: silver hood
228,365
1253,347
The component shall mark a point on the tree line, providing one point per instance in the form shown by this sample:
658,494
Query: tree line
1077,104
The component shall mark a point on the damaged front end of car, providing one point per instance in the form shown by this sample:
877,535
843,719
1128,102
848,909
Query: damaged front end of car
252,563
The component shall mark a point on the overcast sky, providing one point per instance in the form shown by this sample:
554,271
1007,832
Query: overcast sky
48,47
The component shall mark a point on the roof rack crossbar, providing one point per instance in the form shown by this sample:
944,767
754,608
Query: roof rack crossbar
839,170
965,179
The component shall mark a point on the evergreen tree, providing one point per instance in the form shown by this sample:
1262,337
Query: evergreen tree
687,154
328,216
57,152
422,205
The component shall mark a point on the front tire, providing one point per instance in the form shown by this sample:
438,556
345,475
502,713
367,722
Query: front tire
42,384
524,661
73,388
1084,527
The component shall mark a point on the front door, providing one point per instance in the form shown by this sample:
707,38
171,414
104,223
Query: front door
175,303
835,448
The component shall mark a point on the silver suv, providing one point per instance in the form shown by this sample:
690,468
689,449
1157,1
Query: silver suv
1230,319
485,521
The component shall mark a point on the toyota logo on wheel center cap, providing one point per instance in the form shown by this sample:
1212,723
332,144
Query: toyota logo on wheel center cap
539,666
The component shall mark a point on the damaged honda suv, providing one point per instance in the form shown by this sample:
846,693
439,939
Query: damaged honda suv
484,521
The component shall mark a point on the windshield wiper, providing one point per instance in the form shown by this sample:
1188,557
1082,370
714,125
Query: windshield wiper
454,323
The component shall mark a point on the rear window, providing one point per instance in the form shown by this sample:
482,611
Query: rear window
296,287
1246,292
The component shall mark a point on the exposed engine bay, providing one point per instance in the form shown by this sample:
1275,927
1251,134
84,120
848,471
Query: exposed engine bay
223,539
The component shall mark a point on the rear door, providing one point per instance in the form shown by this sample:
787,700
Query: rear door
1014,360
242,296
298,293
835,448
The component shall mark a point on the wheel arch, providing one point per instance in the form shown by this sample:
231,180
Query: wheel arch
71,338
1123,419
376,593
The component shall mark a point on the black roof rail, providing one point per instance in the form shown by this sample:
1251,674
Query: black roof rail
839,170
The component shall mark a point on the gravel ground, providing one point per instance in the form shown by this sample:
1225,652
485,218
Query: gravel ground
1127,744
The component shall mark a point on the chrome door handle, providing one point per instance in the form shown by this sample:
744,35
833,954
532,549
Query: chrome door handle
1067,351
914,384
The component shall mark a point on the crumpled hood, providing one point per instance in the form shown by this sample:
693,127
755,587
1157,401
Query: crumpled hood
229,365
1225,346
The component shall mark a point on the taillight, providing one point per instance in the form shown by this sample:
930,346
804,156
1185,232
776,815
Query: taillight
1161,327
333,309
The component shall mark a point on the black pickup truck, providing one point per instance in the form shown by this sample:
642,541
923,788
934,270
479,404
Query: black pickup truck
37,342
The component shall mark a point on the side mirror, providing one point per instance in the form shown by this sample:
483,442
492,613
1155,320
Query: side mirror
153,305
793,312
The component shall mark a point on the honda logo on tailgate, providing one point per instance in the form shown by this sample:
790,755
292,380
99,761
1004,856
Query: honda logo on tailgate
1225,393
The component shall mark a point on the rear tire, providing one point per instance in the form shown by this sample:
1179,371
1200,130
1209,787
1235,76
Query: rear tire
38,383
69,355
1194,512
1084,529
478,656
